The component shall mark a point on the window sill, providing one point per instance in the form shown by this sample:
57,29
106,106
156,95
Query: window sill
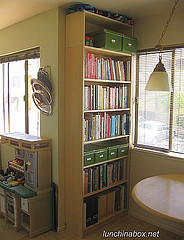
171,155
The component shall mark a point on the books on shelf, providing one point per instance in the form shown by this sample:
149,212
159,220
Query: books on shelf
100,206
105,125
103,175
99,67
98,97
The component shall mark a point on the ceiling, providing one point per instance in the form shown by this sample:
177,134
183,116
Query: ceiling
13,11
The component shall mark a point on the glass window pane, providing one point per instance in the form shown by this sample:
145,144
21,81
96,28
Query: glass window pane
16,96
33,111
6,101
178,118
1,100
153,107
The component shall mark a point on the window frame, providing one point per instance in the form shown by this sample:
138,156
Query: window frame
171,109
24,56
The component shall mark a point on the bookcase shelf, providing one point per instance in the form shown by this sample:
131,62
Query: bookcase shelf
96,81
107,110
107,161
105,220
106,139
81,121
106,52
105,188
107,22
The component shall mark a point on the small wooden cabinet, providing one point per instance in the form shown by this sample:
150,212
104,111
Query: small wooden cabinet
29,206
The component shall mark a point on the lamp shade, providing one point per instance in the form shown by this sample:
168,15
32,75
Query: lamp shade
158,80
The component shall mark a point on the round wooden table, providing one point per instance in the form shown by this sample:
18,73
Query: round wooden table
162,195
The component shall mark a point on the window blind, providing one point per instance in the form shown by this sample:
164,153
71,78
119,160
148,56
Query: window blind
160,115
23,55
178,110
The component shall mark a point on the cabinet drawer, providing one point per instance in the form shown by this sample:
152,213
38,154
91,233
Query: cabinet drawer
129,44
107,39
112,152
122,150
89,158
25,205
100,155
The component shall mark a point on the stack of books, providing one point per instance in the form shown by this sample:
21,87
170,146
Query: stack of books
98,177
100,206
98,67
98,97
105,125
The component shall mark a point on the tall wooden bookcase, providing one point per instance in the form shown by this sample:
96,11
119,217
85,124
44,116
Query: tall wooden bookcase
77,25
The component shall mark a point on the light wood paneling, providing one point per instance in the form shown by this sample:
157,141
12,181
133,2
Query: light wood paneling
74,122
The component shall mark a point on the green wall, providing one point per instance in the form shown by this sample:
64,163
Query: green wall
40,30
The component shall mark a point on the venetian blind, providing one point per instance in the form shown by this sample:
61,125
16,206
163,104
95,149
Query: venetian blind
156,117
22,55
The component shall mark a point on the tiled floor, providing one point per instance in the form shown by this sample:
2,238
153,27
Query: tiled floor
127,223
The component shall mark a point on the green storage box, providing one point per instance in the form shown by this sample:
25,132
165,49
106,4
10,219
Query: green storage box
122,150
129,44
107,39
100,155
89,158
112,152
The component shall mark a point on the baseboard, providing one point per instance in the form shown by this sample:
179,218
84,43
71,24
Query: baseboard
62,228
168,228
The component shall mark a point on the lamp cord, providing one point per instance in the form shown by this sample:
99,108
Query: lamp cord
159,46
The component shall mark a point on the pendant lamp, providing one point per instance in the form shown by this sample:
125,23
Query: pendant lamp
158,80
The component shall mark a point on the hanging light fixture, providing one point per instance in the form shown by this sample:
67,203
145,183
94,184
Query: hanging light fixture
158,80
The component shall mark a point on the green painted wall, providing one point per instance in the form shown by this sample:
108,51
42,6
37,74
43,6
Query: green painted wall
43,30
40,30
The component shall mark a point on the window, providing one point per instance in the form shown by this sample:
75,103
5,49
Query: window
160,115
17,110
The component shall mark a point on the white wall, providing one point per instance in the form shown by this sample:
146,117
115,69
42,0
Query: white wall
144,164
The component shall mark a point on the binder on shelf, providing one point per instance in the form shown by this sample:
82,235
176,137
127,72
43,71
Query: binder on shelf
95,209
89,210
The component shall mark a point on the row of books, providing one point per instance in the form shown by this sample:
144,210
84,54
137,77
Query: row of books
98,67
105,125
98,97
98,177
100,206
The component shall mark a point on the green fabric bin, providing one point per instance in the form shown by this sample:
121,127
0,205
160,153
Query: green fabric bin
100,155
129,44
122,150
107,39
112,152
89,158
